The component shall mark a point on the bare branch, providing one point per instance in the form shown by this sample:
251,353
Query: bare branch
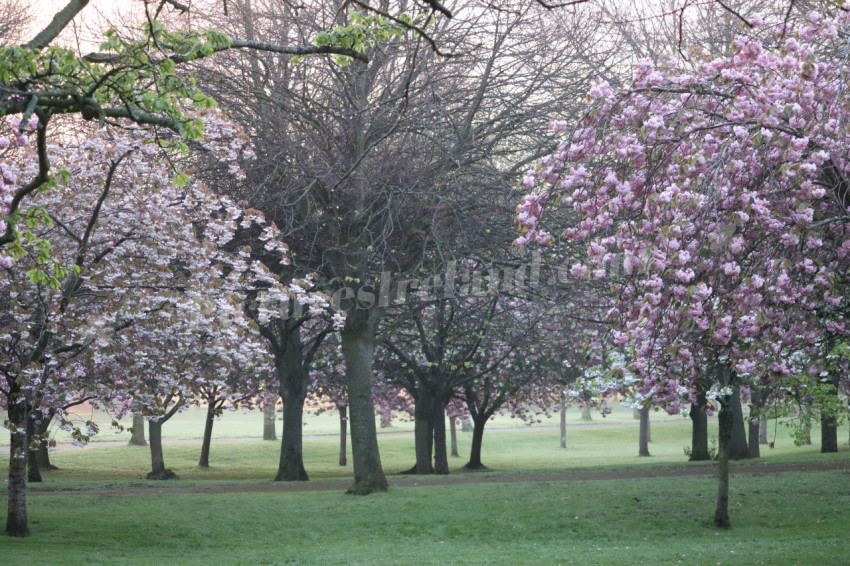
57,24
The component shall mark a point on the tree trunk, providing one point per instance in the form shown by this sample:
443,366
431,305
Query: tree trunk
643,448
636,414
423,431
204,461
762,429
753,438
585,412
699,431
828,422
158,469
291,466
343,435
269,422
33,471
157,459
358,346
466,425
739,449
477,438
137,435
16,516
441,460
453,433
726,420
386,418
563,420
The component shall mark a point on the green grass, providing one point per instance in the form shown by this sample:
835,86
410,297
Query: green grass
787,518
792,518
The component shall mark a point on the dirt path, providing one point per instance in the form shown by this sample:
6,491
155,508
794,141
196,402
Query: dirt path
755,468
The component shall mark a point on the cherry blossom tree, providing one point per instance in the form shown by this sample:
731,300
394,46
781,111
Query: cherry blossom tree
721,194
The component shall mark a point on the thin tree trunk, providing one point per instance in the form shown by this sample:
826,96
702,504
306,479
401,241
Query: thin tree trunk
636,414
386,418
585,412
466,425
739,449
725,418
137,435
441,460
699,431
269,422
563,420
33,471
643,448
16,515
343,435
204,461
762,429
453,433
753,438
477,439
358,346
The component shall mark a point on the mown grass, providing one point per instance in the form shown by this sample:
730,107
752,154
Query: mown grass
789,518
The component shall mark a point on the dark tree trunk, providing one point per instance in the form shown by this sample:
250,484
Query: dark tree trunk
343,435
358,346
157,459
269,422
453,433
828,422
137,434
423,423
477,438
33,471
726,421
43,457
643,449
739,449
441,459
291,466
16,515
753,438
699,432
204,461
563,420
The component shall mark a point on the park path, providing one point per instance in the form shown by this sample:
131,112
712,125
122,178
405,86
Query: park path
481,477
166,441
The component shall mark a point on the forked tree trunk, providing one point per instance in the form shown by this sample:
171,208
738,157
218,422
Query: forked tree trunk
343,435
441,460
269,422
358,346
453,433
204,461
699,431
563,421
643,448
725,418
137,434
739,449
16,515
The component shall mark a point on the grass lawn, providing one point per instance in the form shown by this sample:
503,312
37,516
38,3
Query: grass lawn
778,518
789,518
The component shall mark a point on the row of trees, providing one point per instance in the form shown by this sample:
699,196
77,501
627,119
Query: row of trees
385,167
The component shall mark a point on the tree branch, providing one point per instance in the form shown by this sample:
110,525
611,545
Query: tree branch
57,24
